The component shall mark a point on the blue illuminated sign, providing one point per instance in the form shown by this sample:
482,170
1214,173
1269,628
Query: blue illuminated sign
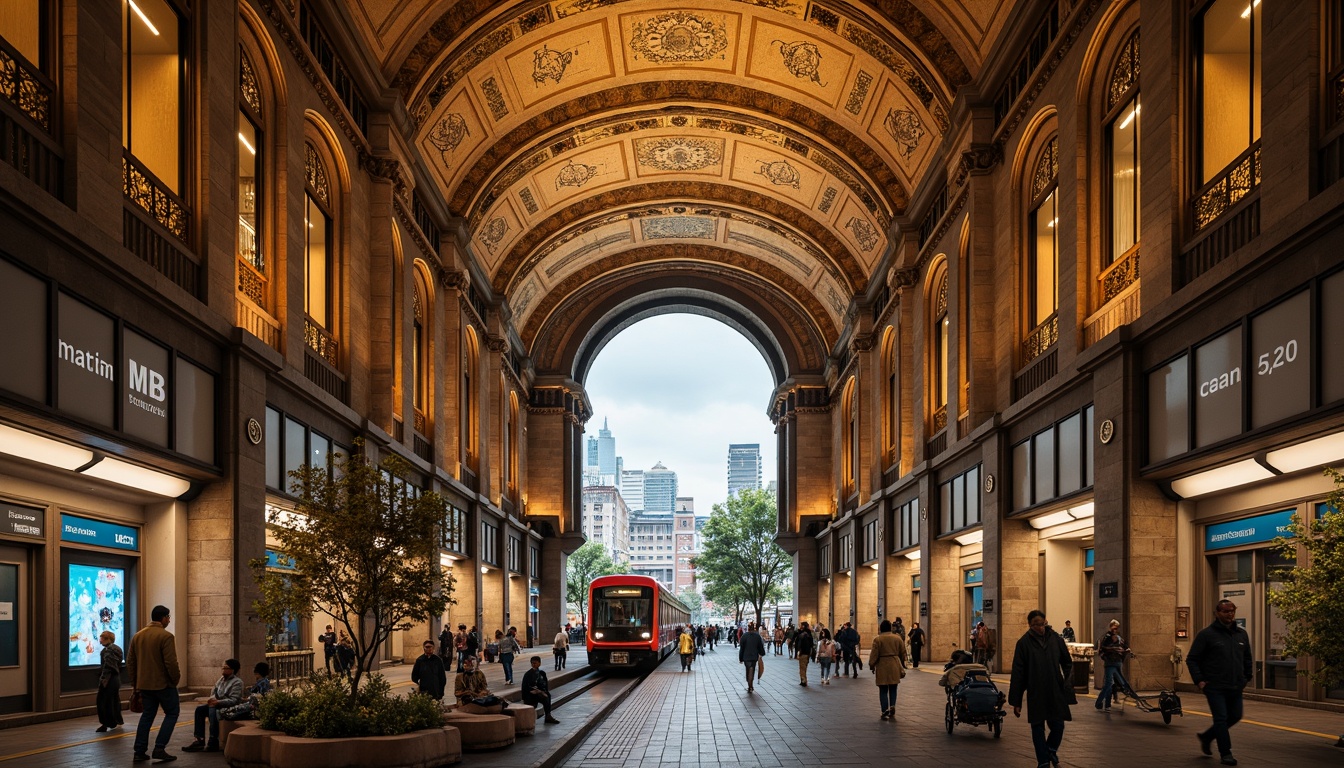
279,560
1089,557
1251,530
99,533
975,576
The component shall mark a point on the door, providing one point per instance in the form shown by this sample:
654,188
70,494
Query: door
15,621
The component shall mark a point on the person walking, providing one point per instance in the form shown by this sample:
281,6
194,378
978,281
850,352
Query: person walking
328,641
109,684
537,689
750,651
1220,664
898,627
446,646
886,658
460,645
560,647
825,654
474,644
151,666
916,641
847,639
1042,669
779,640
789,633
803,645
686,647
1112,650
508,649
429,674
227,693
345,655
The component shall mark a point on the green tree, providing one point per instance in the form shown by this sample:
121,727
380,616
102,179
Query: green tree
694,603
727,594
364,545
1311,594
587,563
740,555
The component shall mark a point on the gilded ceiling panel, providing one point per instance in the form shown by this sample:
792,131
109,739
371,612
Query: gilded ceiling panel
680,39
794,60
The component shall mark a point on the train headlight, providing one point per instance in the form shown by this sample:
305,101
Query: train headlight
597,635
645,635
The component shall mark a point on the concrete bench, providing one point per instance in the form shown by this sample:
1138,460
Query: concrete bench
484,731
524,718
252,747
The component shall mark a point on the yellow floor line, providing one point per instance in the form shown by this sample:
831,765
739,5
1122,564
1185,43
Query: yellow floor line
125,735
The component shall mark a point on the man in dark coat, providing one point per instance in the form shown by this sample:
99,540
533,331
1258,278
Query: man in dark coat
750,649
916,641
537,689
848,641
429,673
1042,668
1220,664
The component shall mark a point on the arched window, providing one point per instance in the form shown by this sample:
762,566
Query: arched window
849,437
891,396
940,329
511,436
1122,154
420,351
253,263
1042,262
471,356
154,109
317,218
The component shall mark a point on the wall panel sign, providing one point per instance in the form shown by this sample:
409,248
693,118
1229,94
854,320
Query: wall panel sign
1281,347
1332,332
144,388
1089,558
86,354
23,304
22,521
1250,530
99,533
1218,386
975,576
279,560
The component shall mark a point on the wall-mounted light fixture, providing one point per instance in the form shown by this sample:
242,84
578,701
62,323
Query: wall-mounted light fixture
53,453
971,537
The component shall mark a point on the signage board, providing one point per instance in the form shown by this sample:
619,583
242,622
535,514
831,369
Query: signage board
1108,589
1332,336
86,355
975,576
1169,410
99,533
23,310
1250,530
1089,558
97,605
1218,388
1281,347
144,388
279,560
22,521
986,606
923,609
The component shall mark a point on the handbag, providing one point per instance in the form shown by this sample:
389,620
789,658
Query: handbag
760,667
137,702
488,701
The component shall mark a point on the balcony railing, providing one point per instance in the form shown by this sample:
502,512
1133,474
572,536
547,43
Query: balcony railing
251,283
940,419
153,196
1042,337
258,323
24,86
1230,187
290,667
321,342
1121,274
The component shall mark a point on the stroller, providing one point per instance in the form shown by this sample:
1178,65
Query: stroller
972,697
1168,702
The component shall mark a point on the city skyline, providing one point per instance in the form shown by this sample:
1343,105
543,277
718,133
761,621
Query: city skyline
681,389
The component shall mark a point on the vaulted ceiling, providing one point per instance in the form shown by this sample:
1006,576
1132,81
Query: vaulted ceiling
588,142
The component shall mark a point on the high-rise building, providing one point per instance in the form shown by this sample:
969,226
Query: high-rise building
606,519
660,489
652,552
686,539
632,489
744,466
600,459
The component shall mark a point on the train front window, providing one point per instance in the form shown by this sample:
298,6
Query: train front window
622,614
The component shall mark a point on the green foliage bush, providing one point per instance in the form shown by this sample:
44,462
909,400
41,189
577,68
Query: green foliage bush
321,709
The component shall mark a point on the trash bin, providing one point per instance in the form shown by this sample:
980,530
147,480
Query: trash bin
1082,674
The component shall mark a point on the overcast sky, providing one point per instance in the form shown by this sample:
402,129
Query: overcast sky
678,389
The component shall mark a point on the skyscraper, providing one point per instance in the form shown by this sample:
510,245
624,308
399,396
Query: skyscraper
632,489
744,466
601,459
660,489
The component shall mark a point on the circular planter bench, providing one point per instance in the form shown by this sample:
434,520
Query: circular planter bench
252,747
524,719
483,731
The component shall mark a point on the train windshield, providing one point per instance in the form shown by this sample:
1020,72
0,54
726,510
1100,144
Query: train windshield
622,614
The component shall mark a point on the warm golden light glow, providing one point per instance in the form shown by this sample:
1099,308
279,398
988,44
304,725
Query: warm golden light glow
150,24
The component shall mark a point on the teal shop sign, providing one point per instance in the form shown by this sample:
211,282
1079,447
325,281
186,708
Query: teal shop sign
1089,557
1251,530
99,533
975,576
279,560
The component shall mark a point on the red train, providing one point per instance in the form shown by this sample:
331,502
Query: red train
632,622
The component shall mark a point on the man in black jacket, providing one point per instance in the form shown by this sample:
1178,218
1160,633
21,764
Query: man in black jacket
802,649
750,649
1220,664
537,690
429,673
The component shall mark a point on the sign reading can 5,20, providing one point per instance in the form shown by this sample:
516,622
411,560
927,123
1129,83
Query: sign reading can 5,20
105,372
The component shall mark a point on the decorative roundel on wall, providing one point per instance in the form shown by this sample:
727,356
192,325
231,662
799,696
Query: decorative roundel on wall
989,483
254,432
1107,431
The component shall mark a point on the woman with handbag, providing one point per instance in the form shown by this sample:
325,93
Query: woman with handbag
886,658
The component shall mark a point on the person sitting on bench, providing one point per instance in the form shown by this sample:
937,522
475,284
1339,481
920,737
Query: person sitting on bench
537,690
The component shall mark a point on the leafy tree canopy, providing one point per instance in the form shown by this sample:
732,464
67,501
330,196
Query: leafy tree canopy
587,563
1311,594
740,558
364,544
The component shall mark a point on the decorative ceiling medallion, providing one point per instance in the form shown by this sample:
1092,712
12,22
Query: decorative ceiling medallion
864,234
677,227
802,59
575,175
780,173
448,134
904,126
678,37
678,153
494,232
548,64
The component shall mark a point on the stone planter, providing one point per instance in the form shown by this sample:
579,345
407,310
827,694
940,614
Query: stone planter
252,747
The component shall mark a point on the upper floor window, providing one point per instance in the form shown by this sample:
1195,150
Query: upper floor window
940,330
23,26
317,263
511,435
849,441
1122,148
891,396
419,356
250,188
153,94
1228,83
1043,241
471,416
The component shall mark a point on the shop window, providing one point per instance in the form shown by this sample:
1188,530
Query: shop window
1228,83
959,500
454,537
1054,462
846,545
908,524
870,543
291,446
515,557
1043,240
154,89
533,561
1280,668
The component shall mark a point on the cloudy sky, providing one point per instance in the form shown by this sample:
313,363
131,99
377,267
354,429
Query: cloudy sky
678,389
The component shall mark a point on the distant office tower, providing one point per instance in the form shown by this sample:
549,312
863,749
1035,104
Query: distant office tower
600,460
632,489
744,466
660,489
651,547
687,542
606,519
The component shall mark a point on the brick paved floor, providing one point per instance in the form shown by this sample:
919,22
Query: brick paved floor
706,718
